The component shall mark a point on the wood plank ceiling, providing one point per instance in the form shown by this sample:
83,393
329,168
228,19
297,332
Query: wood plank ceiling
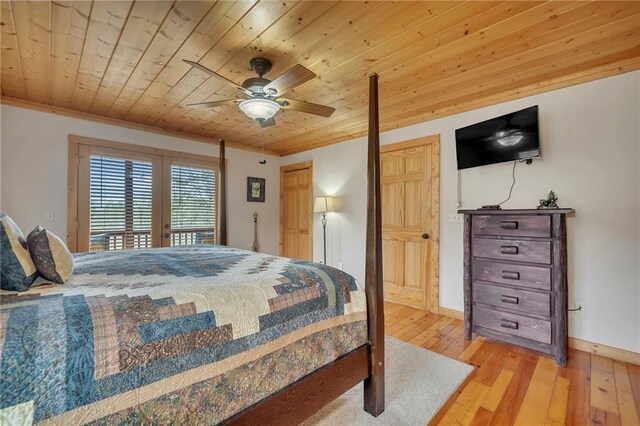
122,60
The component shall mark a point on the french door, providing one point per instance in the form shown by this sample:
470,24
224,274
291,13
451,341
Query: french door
139,198
189,203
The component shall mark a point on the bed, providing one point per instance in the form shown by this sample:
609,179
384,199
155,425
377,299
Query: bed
185,334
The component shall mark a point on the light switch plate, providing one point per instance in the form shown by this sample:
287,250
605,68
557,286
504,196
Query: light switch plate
50,215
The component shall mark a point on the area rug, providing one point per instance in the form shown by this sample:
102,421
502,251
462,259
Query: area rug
418,383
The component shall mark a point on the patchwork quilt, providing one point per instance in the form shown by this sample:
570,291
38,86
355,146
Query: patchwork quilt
180,335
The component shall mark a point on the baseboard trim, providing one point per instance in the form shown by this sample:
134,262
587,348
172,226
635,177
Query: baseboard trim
604,350
451,313
579,344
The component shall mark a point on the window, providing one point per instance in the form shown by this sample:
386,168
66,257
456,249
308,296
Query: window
126,197
192,205
120,203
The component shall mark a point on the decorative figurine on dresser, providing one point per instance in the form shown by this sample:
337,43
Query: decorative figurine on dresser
515,278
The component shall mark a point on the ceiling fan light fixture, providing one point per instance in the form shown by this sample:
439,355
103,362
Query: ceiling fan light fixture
259,109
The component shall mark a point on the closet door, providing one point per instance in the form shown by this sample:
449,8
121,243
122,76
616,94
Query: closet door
296,211
408,231
189,202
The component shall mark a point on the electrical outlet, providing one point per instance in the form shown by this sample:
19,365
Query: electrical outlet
578,308
455,218
50,215
340,265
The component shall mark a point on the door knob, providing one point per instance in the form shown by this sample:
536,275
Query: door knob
166,235
425,236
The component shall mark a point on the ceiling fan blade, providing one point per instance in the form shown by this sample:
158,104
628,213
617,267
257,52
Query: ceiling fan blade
290,79
268,123
214,104
308,107
215,74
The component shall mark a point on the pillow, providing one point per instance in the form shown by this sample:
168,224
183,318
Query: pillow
17,269
50,254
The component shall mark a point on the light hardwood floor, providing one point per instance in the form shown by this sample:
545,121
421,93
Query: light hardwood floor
511,385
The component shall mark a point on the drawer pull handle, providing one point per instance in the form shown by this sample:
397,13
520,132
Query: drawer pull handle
509,224
509,299
509,275
509,249
508,324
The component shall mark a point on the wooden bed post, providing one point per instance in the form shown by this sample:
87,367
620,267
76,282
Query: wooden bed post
222,210
374,385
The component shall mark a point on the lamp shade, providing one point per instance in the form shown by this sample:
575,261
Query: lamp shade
259,109
324,204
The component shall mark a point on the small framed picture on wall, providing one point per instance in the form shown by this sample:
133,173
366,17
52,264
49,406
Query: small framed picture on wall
255,189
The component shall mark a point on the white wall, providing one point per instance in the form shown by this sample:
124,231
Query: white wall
33,173
590,136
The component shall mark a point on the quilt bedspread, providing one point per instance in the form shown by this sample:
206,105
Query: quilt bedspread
171,336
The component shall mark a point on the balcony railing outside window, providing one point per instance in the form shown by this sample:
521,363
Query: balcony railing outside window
115,240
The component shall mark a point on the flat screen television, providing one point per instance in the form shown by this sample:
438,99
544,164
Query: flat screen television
507,138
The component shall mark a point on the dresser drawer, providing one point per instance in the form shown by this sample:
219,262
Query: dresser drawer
511,298
525,251
516,275
514,324
512,225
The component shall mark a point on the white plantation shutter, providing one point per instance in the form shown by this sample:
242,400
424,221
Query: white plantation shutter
193,202
120,203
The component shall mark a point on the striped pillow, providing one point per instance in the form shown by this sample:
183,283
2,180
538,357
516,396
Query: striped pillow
17,270
50,254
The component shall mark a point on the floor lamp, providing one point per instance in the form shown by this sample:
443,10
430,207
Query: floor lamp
324,205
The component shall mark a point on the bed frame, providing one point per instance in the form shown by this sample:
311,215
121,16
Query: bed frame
304,397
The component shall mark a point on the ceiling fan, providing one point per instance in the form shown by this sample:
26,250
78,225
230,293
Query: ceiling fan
262,97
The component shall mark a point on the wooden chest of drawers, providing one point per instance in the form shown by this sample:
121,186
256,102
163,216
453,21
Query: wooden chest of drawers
515,278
